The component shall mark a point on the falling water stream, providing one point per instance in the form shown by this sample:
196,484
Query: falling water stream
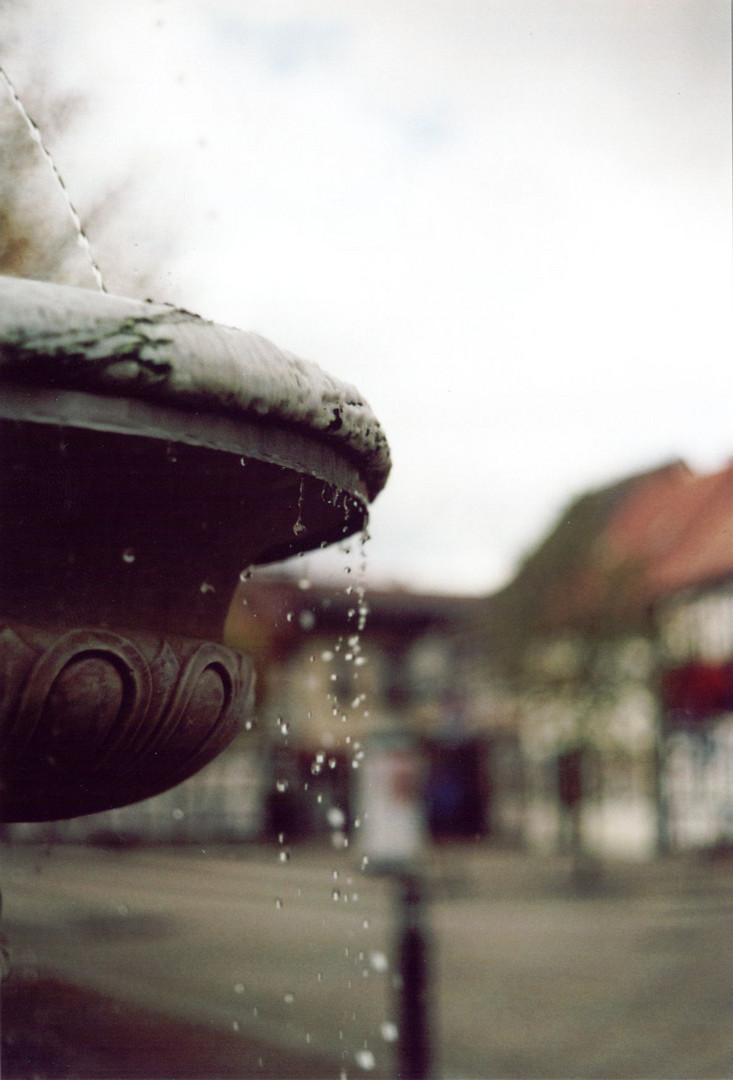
361,960
34,133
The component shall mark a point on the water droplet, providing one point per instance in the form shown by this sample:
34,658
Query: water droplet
379,961
128,555
281,785
365,1059
284,856
290,616
177,814
299,527
278,903
206,587
307,620
327,656
246,574
123,909
389,1031
235,1025
171,452
239,988
366,924
336,894
289,999
336,817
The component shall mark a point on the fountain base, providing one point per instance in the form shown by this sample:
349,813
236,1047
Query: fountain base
91,719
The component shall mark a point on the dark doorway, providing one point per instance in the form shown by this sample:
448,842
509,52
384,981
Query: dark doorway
456,789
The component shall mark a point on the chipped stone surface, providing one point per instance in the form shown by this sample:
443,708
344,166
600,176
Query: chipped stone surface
60,336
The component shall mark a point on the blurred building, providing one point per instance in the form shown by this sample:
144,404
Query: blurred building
614,645
337,669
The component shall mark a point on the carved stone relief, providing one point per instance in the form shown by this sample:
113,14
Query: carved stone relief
91,719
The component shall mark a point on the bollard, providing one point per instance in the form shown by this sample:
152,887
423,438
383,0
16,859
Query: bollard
393,839
414,1051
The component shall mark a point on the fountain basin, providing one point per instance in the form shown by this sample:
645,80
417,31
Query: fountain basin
147,457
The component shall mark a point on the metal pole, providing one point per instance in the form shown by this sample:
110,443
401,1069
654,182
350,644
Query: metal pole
414,1035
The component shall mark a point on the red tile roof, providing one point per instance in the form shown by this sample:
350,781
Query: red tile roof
678,525
617,551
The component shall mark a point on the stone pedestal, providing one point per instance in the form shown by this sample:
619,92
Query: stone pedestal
146,459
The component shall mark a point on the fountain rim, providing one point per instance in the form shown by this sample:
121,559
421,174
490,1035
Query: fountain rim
246,437
211,381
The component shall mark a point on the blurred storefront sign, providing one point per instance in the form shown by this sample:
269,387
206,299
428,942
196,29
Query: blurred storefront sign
392,834
697,692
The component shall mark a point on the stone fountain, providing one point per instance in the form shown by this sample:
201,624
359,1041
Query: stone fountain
148,457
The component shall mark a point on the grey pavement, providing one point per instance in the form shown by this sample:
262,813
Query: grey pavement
623,971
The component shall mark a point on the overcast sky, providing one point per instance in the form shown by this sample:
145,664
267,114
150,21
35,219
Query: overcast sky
508,222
